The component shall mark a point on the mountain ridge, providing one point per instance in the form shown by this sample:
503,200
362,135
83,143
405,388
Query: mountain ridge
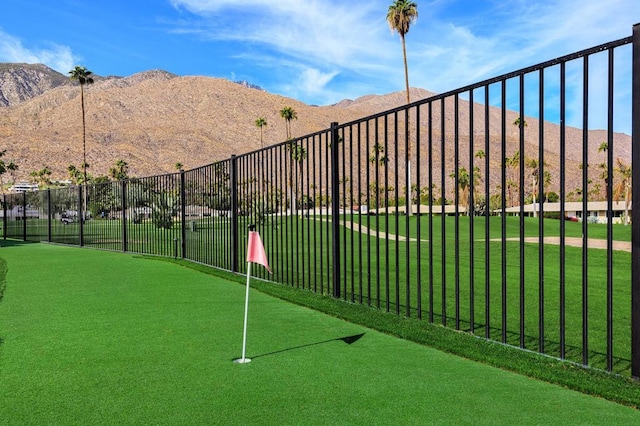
155,119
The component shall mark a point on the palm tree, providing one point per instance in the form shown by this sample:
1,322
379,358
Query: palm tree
178,166
463,181
512,163
378,158
261,122
623,187
298,153
12,168
288,114
400,16
119,171
83,76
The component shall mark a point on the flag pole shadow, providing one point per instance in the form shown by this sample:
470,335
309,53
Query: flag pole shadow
349,340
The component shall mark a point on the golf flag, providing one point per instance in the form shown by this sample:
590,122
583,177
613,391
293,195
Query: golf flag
255,251
255,254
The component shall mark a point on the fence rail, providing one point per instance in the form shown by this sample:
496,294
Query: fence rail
458,209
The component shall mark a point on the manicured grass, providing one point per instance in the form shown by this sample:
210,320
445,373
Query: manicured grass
447,286
94,337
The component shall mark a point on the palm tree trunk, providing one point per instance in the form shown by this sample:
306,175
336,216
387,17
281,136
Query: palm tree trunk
406,68
84,152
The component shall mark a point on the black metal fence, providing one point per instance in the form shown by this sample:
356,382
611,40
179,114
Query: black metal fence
452,209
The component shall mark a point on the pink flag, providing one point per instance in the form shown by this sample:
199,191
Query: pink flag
255,251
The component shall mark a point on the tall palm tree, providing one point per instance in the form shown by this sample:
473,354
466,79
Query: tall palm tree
400,16
288,114
261,122
298,153
83,76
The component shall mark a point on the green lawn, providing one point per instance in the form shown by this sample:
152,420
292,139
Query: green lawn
444,284
94,337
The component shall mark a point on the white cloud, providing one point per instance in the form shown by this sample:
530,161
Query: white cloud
58,57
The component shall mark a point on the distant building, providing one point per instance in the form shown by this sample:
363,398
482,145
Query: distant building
596,210
23,187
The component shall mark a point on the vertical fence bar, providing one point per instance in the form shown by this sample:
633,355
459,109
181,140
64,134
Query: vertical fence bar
503,221
610,213
81,213
635,222
470,215
443,194
49,215
234,214
521,126
335,208
124,215
24,216
563,193
540,201
4,216
585,209
430,201
456,197
183,216
487,215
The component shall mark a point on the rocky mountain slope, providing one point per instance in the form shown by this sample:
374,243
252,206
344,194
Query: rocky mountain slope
154,119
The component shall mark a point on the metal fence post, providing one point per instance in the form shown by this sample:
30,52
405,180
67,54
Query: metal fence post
24,216
4,216
81,213
234,214
335,208
635,212
49,216
183,215
124,215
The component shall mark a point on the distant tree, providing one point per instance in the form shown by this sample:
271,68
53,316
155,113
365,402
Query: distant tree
42,177
3,169
119,171
520,122
297,154
604,173
400,15
75,175
510,164
378,158
623,187
83,76
178,166
463,181
288,114
261,122
12,168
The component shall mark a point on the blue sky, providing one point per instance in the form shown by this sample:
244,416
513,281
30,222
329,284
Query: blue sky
316,51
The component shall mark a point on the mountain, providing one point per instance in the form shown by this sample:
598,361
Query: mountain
20,82
154,119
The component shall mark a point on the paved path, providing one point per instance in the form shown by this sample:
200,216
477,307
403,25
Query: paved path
592,243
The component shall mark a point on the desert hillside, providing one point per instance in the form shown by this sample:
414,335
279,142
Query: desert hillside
154,119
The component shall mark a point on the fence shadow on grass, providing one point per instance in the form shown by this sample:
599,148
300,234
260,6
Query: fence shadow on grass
349,340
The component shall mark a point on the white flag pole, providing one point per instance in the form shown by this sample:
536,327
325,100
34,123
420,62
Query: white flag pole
244,360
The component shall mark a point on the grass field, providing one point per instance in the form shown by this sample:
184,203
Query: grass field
93,337
440,282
